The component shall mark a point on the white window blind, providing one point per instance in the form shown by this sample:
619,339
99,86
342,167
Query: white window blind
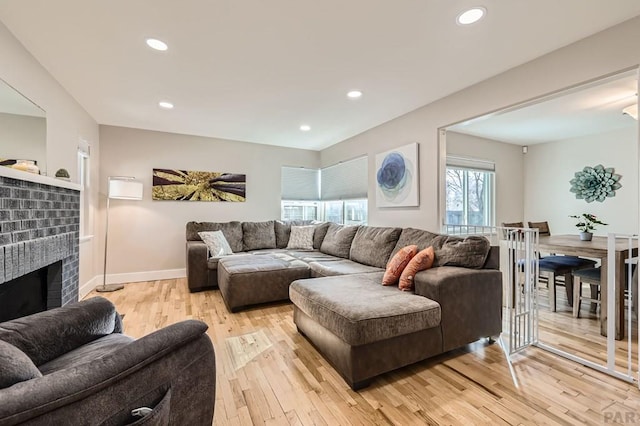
300,184
470,163
344,181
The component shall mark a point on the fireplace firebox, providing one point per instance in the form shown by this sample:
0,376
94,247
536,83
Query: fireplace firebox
34,292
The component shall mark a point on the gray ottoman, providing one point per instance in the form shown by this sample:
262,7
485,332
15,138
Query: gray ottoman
249,279
363,328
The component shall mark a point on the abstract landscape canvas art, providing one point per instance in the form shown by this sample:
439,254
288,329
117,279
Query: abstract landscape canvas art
185,185
397,177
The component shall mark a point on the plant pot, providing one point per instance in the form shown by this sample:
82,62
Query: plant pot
586,236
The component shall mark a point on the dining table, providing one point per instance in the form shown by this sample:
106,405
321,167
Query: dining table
597,248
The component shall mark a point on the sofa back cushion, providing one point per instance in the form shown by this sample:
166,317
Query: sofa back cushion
258,235
373,246
232,232
419,237
15,366
319,234
468,252
338,240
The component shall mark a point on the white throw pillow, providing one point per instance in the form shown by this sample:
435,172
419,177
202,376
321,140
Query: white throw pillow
301,237
216,243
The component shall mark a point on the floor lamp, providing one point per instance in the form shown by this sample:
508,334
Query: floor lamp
119,188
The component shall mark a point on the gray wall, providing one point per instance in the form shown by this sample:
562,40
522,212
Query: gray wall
607,52
150,235
549,167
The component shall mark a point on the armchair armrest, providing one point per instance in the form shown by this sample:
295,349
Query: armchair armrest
197,270
49,334
178,358
470,302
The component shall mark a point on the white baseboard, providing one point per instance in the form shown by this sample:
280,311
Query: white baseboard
131,277
88,287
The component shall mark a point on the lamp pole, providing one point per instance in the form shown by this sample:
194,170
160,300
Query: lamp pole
112,287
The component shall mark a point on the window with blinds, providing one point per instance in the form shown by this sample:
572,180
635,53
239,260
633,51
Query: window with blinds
299,183
336,193
344,181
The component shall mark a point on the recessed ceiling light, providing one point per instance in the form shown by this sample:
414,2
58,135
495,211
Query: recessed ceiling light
305,127
165,105
156,44
472,15
354,94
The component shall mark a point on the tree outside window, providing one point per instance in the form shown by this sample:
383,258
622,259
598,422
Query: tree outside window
469,197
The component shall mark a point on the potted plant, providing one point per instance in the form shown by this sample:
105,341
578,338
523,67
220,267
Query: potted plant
586,223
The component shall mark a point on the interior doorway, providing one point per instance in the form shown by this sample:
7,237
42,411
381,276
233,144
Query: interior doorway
535,149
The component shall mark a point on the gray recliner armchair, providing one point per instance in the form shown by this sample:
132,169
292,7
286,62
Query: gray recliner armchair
73,366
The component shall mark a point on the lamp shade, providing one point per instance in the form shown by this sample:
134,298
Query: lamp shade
125,188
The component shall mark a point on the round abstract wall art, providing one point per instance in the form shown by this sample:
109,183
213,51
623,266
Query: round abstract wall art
595,183
396,177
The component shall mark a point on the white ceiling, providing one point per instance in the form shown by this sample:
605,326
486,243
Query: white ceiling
591,109
256,70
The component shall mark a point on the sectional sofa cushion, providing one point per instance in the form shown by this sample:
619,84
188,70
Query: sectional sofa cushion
282,230
469,252
397,264
359,310
339,267
232,232
420,262
373,246
301,237
15,366
338,240
319,234
249,279
258,235
216,243
312,256
419,237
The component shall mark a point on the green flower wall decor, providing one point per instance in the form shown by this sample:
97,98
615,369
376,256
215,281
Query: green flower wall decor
595,183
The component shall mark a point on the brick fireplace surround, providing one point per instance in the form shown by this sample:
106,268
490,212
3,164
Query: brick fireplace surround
39,225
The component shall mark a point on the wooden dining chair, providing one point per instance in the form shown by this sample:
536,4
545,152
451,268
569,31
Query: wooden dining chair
558,268
589,276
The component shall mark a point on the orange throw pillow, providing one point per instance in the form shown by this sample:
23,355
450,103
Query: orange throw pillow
397,264
420,262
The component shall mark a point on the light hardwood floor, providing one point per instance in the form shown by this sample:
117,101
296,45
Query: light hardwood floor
269,374
581,336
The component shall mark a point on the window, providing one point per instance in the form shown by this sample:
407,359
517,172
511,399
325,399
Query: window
84,173
300,210
336,193
469,193
355,212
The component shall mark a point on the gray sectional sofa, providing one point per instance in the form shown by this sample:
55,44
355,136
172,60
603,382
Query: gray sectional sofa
361,327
